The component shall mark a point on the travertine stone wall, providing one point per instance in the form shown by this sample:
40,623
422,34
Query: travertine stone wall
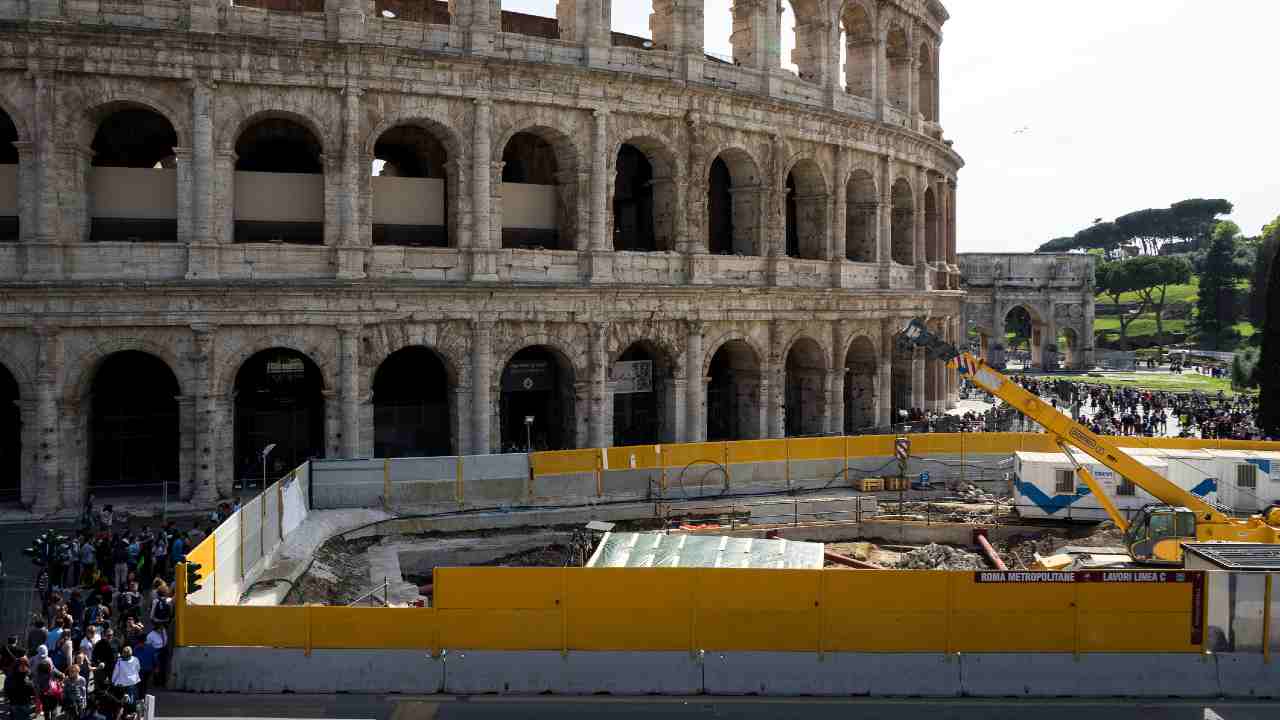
204,304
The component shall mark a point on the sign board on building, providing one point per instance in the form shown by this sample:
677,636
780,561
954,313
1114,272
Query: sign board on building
532,376
632,377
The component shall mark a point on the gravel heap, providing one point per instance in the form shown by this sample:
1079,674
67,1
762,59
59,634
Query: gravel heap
941,557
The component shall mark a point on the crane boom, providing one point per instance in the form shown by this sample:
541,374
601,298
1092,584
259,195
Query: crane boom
1065,430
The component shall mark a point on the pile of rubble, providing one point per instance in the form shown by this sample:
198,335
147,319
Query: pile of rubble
975,494
941,557
1104,547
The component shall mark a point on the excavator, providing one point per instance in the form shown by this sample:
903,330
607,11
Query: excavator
1155,536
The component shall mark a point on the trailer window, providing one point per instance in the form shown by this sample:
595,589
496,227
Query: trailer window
1065,481
1162,525
1247,476
1126,488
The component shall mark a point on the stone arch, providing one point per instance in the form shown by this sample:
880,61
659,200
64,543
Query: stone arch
279,107
643,417
549,396
101,105
861,362
735,193
22,372
81,370
728,337
280,399
927,84
456,369
576,359
805,362
131,423
803,336
665,172
862,217
433,122
417,417
19,120
809,54
904,223
433,222
536,228
933,250
856,22
1035,336
805,209
223,379
734,372
898,55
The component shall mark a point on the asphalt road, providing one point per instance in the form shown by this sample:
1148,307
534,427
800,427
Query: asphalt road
17,598
353,707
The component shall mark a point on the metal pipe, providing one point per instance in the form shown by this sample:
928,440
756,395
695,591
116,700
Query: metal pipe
849,562
989,551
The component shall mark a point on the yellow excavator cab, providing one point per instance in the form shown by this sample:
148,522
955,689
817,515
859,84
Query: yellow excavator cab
1272,516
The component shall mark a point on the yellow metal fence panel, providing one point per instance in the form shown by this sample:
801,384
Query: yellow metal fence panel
757,609
565,462
748,451
374,628
884,611
629,608
245,625
496,588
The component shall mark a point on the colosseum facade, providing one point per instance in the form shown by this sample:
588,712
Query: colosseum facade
403,227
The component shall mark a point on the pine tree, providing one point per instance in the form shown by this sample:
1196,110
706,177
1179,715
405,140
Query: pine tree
1269,379
1216,308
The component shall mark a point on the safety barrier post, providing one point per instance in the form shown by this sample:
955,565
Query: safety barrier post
1266,621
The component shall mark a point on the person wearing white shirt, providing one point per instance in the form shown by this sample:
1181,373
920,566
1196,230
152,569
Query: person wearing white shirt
127,673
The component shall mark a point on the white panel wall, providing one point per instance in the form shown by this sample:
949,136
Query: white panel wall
8,189
279,197
137,193
408,201
529,206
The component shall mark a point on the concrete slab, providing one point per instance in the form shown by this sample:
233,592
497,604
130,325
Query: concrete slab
831,674
470,672
1248,676
271,670
1095,675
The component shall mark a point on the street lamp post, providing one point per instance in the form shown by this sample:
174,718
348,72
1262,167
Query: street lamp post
528,433
265,452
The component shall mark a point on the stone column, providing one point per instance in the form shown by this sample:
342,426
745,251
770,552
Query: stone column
349,387
205,491
202,256
601,400
918,378
48,389
599,242
204,16
481,386
222,428
351,255
351,21
775,375
884,224
472,24
44,250
882,102
484,263
884,373
186,447
333,421
838,241
835,381
920,224
696,425
1086,338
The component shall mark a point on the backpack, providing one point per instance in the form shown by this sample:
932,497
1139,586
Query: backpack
163,611
91,615
59,658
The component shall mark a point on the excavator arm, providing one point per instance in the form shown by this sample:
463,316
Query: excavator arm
1066,431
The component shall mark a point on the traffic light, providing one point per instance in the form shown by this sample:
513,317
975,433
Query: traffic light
46,548
193,578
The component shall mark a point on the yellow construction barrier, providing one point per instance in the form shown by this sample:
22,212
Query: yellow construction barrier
687,609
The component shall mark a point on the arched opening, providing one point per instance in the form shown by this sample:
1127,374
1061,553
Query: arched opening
933,251
733,204
862,210
537,192
133,425
898,53
901,385
805,395
904,224
1023,337
643,411
787,37
9,229
860,386
806,211
634,22
717,37
809,39
279,400
537,407
411,183
633,206
431,12
412,395
1069,349
733,393
279,184
133,182
928,84
10,437
859,51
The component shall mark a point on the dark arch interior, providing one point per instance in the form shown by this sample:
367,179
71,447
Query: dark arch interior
792,224
859,386
733,402
639,400
134,424
901,384
411,397
529,159
903,230
279,396
409,151
10,437
134,138
633,226
278,145
9,230
720,209
805,390
537,385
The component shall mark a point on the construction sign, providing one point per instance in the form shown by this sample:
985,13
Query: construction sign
902,450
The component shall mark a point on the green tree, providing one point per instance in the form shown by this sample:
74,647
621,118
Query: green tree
1260,277
1216,308
1188,223
1157,273
1268,378
1116,279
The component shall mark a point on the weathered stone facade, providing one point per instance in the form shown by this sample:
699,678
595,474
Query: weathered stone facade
838,226
1057,291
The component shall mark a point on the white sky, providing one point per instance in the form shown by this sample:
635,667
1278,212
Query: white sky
1126,104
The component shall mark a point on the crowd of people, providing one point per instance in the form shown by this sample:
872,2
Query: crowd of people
101,638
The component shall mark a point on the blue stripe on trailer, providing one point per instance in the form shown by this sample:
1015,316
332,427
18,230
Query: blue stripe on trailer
1052,504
